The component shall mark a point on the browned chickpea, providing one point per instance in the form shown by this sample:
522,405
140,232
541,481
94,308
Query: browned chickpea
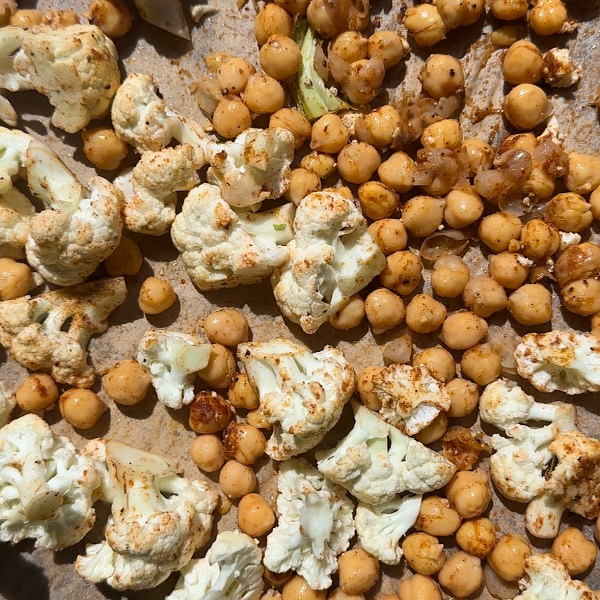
481,363
26,18
438,361
236,480
469,492
302,183
358,161
523,63
434,431
531,304
509,10
104,148
508,557
497,230
462,574
280,57
583,173
449,276
81,408
127,382
377,201
402,273
16,279
227,326
595,325
277,580
231,117
258,419
526,106
477,537
209,412
442,134
509,269
350,46
349,316
397,172
241,394
425,24
389,46
255,517
424,314
437,517
539,240
321,164
463,330
364,387
423,553
548,17
220,370
479,155
233,75
156,295
569,212
484,296
389,234
464,397
271,19
358,571
38,392
243,442
113,17
419,587
295,122
127,259
442,75
574,550
422,215
329,134
206,452
463,207
582,296
264,95
379,128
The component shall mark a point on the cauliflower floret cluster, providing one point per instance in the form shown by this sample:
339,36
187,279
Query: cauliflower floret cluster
7,405
301,394
315,525
16,212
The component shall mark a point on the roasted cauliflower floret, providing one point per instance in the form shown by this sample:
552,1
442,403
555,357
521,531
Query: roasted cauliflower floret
7,405
16,212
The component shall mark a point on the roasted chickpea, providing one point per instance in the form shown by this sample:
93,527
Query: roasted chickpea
156,295
297,589
349,316
271,595
463,207
227,326
481,363
37,393
319,163
206,452
113,17
477,537
377,201
462,574
425,24
26,18
214,61
509,10
209,412
220,370
241,394
526,106
531,304
126,259
280,57
389,234
342,190
595,328
455,13
277,580
236,480
442,75
497,230
574,550
329,134
434,431
389,46
103,148
419,587
81,408
321,20
438,361
423,215
583,173
523,63
469,492
509,269
402,273
424,314
357,571
302,183
364,80
294,7
350,46
594,201
384,310
518,141
437,517
479,155
464,397
271,19
449,276
423,553
548,17
127,382
264,95
442,134
337,594
295,122
16,279
5,14
258,419
582,296
463,330
358,161
569,212
484,296
243,442
255,517
397,172
539,240
508,557
380,128
364,387
231,117
233,75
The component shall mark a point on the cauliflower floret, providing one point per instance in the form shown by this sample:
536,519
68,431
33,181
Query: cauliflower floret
232,569
331,258
574,484
380,528
166,14
375,461
411,398
7,405
173,359
33,329
224,248
158,518
301,394
559,69
75,67
315,525
560,360
46,487
16,212
8,114
548,579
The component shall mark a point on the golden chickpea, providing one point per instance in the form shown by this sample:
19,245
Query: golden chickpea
236,480
384,310
509,10
482,364
126,259
423,553
255,517
539,240
569,212
423,215
295,122
241,394
337,594
449,276
484,296
594,201
377,201
389,46
294,7
231,117
364,80
245,443
127,382
548,17
526,106
156,295
419,587
508,557
103,148
271,19
583,173
498,229
364,387
350,46
380,128
5,14
397,172
464,397
321,164
358,571
434,431
389,234
227,326
523,63
16,279
113,17
358,161
26,18
442,134
297,589
215,60
437,517
574,550
439,362
595,329
424,314
425,24
321,20
209,412
479,155
276,580
509,269
469,492
582,296
220,370
264,95
81,408
463,330
38,392
280,57
206,452
342,190
302,183
233,75
258,419
463,208
477,537
531,304
442,75
402,273
349,316
462,574
329,134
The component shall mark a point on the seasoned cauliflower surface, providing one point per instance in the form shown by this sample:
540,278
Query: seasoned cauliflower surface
16,212
301,394
315,524
7,405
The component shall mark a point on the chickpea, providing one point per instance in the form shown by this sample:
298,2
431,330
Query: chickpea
583,173
482,364
241,394
329,134
364,387
277,580
442,75
264,95
509,269
350,46
377,201
220,370
231,117
508,557
113,17
595,328
539,239
498,229
245,443
321,20
81,407
358,161
569,212
463,208
258,419
477,537
384,310
397,172
582,296
464,397
37,393
271,595
437,517
215,60
425,24
402,273
424,314
209,412
302,183
156,295
509,10
5,14
523,63
364,80
349,316
422,215
297,589
463,330
434,431
438,361
255,517
233,75
127,382
337,594
574,550
342,190
104,148
280,57
321,164
380,128
484,296
126,259
16,279
479,155
236,480
389,235
295,122
594,201
419,587
389,46
449,276
26,18
462,574
227,326
442,134
423,553
526,106
357,571
206,452
271,20
294,7
469,492
548,17
531,304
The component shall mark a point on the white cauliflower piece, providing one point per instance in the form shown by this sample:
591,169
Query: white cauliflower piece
33,329
380,528
173,358
158,519
559,69
315,525
548,579
75,67
7,405
411,398
375,461
223,248
46,487
560,360
331,258
301,394
166,14
232,569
